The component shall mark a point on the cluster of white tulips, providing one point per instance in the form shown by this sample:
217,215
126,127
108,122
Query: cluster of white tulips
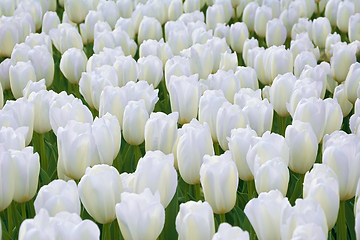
172,119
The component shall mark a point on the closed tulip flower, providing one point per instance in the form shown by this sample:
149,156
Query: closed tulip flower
26,173
229,117
73,63
249,44
43,63
156,171
344,11
345,152
4,73
322,184
19,113
238,34
50,21
175,10
160,49
275,32
264,213
196,137
161,132
226,231
64,37
219,46
195,220
76,10
271,175
247,77
354,23
10,36
140,216
301,139
87,28
281,91
76,146
331,11
185,104
214,14
304,212
320,30
343,57
7,179
20,74
110,12
246,94
99,200
127,69
66,108
210,103
58,196
42,101
34,87
13,139
201,60
306,111
341,97
104,39
107,134
249,15
302,59
289,17
352,82
150,69
7,8
262,15
333,114
149,28
280,62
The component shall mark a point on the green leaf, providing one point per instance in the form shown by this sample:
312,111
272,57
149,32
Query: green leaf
350,219
45,179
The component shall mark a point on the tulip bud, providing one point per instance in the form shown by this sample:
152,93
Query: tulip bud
201,60
20,74
99,191
134,209
331,11
249,15
289,17
87,28
342,99
343,152
50,21
65,37
7,8
196,138
191,6
343,57
333,114
300,136
214,14
344,11
226,231
177,88
127,69
7,179
34,8
110,12
76,10
228,61
352,82
149,28
320,30
263,14
238,34
13,139
39,39
302,59
222,170
229,117
275,32
58,196
281,91
156,171
304,212
322,184
43,64
264,213
195,220
175,10
354,23
72,64
161,132
302,26
4,74
150,69
239,144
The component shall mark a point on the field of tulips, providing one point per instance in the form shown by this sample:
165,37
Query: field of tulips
179,119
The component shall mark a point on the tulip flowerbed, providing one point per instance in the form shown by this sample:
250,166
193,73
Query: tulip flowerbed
172,119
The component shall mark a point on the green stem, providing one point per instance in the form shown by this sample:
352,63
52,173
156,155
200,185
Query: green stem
169,230
76,91
23,210
137,154
281,125
217,148
106,234
43,159
341,229
250,187
187,192
319,154
222,218
10,220
197,192
298,189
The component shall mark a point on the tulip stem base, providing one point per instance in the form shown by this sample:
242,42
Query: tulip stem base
250,188
187,192
197,192
298,189
222,218
10,220
106,234
169,230
44,163
341,230
137,154
23,210
281,121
